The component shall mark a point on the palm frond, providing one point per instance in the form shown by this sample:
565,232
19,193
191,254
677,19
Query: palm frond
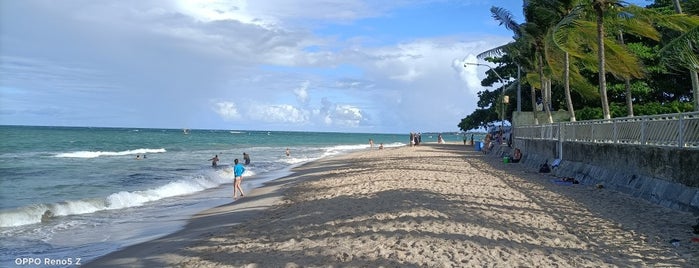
494,52
505,18
683,51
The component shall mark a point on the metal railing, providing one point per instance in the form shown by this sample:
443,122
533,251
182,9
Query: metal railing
671,130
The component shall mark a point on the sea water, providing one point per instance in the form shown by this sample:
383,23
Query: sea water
75,193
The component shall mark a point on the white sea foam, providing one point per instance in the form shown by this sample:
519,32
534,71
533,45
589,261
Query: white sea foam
339,149
124,199
95,154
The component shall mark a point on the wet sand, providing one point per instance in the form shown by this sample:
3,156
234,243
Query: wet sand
435,205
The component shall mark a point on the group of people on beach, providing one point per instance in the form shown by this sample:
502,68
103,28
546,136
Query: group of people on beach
238,170
371,144
415,139
490,142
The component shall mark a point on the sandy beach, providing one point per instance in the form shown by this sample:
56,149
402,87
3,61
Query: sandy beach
435,205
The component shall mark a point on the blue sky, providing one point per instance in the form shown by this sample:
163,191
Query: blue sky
312,65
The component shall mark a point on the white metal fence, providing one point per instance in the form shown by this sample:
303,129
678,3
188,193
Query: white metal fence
673,130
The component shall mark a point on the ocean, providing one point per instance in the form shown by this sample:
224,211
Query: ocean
72,194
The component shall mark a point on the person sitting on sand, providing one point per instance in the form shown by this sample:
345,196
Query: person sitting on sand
517,156
381,146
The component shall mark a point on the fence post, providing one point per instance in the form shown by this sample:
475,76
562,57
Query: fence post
615,136
560,140
644,122
592,133
680,131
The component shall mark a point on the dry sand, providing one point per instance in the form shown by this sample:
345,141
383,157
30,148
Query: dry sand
436,205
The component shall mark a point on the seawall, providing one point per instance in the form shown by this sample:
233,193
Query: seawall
663,175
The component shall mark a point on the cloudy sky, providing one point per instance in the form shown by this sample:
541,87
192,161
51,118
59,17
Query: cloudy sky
309,65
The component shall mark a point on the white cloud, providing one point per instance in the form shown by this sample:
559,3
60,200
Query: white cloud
227,110
468,73
347,115
302,93
280,113
265,64
343,115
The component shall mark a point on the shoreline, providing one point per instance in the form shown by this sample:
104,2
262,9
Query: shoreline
431,205
202,224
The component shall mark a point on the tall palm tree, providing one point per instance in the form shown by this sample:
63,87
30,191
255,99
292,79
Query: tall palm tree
519,50
589,20
600,7
686,55
535,29
627,84
557,10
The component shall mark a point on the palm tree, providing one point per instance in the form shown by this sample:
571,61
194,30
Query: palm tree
535,29
627,84
558,10
600,7
685,55
519,50
574,30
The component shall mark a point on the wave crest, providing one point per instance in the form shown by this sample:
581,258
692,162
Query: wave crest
95,154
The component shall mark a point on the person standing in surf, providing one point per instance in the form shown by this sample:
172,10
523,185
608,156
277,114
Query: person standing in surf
246,158
214,161
238,171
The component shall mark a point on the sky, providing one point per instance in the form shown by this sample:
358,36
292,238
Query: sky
392,66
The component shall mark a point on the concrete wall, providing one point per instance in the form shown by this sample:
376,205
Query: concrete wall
663,175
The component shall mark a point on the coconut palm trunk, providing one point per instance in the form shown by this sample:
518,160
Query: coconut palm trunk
534,109
569,100
545,88
627,83
599,12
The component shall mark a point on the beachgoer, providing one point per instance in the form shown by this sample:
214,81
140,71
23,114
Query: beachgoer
214,161
440,140
517,156
487,143
371,143
288,152
472,140
138,157
246,158
238,171
381,146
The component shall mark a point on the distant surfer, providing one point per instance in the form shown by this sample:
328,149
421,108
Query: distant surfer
214,161
238,171
246,158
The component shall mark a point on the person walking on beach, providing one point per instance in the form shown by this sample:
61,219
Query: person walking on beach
214,161
238,171
246,158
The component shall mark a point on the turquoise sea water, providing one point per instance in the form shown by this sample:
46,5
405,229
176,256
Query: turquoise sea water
69,192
